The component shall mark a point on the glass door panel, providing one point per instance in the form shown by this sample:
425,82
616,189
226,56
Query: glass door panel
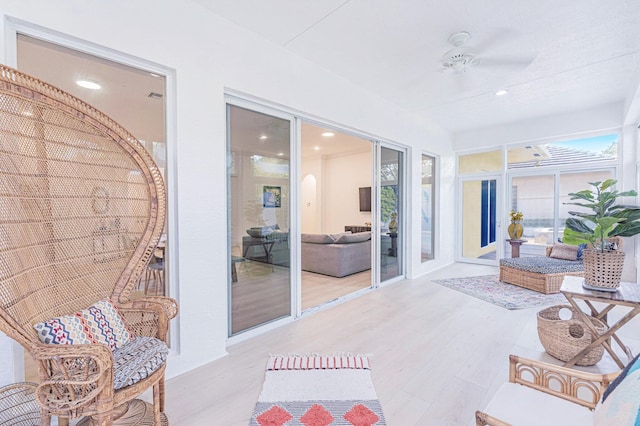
259,216
534,196
391,226
479,201
427,191
541,200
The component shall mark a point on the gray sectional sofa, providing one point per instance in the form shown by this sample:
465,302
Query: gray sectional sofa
337,255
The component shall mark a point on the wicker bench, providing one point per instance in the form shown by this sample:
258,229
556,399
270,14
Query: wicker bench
540,273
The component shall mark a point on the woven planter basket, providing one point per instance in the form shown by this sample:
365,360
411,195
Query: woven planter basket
563,339
603,269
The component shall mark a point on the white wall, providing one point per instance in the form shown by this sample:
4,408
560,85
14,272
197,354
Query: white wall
210,54
343,176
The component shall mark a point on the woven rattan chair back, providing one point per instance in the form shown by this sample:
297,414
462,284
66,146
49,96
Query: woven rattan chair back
82,205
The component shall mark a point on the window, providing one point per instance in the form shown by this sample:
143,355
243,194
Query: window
577,151
541,199
481,162
427,186
488,213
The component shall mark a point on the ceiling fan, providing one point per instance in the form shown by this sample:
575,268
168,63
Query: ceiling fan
460,59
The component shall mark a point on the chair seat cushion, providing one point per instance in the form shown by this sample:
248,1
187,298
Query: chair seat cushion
543,264
137,360
523,406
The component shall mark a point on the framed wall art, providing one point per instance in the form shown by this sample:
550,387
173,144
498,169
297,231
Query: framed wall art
271,196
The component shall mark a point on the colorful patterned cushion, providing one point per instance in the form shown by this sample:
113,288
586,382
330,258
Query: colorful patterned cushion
633,365
137,360
620,404
100,323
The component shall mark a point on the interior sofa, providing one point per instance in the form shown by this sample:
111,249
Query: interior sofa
337,255
543,274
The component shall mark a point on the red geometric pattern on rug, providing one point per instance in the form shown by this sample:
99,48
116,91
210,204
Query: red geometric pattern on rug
275,416
360,415
317,415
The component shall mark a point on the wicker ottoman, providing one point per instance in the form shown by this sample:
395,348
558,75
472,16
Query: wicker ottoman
540,273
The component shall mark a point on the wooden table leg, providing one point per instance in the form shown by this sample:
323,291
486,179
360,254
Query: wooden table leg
602,339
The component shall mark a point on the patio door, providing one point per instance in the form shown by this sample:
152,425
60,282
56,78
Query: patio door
392,227
480,234
259,191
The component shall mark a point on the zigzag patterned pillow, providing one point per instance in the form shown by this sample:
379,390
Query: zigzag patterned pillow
100,323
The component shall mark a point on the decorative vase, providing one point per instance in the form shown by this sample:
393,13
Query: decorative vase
603,269
515,230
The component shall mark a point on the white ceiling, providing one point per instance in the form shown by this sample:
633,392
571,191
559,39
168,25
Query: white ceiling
553,56
124,95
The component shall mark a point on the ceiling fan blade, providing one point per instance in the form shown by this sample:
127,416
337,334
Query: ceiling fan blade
513,63
497,39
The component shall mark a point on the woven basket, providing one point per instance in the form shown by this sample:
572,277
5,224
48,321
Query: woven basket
603,269
563,339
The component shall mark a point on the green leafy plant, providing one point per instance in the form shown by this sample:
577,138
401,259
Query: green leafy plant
604,220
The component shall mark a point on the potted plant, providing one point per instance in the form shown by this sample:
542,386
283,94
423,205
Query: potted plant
595,227
515,229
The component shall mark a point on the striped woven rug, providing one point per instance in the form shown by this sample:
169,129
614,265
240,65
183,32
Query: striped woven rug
317,390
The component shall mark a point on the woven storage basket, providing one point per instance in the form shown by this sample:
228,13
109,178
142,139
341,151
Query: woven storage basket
563,339
603,269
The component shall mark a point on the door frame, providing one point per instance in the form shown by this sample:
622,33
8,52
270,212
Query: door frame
403,217
498,177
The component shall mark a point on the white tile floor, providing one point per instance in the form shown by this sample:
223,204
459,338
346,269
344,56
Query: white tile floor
437,354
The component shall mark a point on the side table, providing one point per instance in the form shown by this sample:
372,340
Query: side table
515,247
628,295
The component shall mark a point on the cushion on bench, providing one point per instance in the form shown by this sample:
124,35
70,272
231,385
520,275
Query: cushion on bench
543,264
521,405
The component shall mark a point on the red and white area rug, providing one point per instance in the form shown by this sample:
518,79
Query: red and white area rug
318,390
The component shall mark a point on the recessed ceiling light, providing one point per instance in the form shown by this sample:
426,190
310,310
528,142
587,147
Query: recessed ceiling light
317,148
88,84
280,154
328,134
502,92
263,137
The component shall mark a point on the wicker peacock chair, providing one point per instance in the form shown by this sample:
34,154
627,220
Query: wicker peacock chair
82,207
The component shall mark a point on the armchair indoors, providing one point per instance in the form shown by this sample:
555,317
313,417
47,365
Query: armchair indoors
82,207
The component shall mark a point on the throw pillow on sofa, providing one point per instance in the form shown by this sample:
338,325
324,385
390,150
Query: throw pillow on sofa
317,238
354,238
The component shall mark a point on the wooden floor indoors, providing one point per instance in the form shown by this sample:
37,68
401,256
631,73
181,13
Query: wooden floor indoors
437,354
262,292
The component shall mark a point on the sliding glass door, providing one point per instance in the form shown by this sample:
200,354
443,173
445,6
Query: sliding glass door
259,215
391,230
